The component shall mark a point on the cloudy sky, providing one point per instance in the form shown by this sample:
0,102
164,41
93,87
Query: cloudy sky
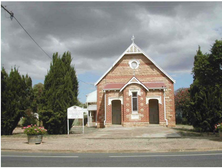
97,33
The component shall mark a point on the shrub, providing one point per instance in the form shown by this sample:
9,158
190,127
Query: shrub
182,100
29,120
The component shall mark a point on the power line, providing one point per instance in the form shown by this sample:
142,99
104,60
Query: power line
12,16
86,82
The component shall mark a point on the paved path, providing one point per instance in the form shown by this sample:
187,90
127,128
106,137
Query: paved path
119,132
115,139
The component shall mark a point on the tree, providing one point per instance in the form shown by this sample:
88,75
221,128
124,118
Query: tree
182,100
60,92
206,90
16,98
37,92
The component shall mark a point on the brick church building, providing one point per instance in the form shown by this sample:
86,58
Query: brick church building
135,91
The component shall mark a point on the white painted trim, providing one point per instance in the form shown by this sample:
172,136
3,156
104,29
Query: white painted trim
133,48
134,60
134,112
135,116
134,90
154,97
130,82
139,51
114,98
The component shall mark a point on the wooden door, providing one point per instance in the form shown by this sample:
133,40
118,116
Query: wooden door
154,111
116,112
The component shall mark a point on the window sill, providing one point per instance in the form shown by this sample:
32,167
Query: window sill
134,112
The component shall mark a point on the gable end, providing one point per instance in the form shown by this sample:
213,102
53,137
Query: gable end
134,49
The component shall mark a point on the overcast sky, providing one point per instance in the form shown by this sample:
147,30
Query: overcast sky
97,33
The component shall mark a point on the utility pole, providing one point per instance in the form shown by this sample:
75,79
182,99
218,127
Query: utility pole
10,13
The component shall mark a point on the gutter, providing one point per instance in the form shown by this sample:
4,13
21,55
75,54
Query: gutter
164,102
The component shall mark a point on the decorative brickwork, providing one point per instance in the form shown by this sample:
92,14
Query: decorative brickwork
123,73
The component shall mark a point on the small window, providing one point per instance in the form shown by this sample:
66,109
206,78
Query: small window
134,101
134,94
134,64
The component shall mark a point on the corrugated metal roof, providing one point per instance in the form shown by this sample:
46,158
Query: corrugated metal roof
149,85
91,97
113,86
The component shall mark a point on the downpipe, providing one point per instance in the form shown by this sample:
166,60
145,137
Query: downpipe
105,109
165,107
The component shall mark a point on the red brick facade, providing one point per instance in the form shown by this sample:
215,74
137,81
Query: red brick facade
147,71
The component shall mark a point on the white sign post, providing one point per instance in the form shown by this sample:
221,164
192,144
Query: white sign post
75,112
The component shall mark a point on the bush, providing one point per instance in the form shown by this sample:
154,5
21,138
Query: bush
182,100
29,118
28,121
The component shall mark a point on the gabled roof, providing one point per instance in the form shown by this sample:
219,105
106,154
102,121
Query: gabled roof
134,49
134,80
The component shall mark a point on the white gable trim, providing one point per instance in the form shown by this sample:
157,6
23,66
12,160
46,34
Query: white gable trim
132,82
115,98
154,97
134,49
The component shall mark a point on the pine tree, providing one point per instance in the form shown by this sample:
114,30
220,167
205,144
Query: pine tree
16,98
206,90
37,92
60,92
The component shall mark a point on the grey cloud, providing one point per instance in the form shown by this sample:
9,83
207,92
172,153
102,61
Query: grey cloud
75,19
99,32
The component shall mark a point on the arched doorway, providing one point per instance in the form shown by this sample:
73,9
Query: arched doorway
154,111
116,112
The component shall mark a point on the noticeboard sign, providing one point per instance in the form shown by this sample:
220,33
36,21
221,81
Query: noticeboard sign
74,113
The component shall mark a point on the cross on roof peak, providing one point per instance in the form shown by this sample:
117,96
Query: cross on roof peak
133,38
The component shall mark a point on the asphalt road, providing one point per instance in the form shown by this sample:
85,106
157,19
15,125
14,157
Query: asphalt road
178,159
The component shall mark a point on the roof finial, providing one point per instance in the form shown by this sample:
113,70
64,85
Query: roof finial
133,38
